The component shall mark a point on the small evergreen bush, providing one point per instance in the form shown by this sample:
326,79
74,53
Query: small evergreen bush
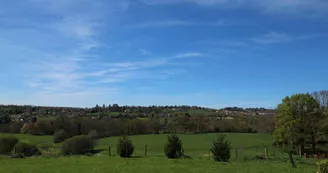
125,147
7,144
173,148
77,145
221,149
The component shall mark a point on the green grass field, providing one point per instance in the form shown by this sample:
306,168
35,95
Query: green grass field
195,146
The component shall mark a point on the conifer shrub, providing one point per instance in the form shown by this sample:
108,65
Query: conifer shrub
173,148
221,149
124,147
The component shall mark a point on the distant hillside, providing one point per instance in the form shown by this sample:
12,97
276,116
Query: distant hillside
25,111
41,120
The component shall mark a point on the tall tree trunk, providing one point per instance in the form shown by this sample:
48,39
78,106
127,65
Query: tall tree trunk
313,144
79,130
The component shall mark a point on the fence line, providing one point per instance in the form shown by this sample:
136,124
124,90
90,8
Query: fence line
237,153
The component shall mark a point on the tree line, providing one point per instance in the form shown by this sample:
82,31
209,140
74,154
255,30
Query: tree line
25,111
108,126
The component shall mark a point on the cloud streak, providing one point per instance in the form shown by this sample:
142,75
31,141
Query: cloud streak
272,38
299,7
58,50
164,23
182,23
266,39
144,52
278,38
191,55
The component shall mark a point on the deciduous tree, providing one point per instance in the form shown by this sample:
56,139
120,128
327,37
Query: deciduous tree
298,120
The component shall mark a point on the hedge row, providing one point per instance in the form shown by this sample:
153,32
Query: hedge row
11,145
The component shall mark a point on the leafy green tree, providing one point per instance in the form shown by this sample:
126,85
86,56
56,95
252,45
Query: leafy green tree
297,121
221,149
173,148
182,122
4,118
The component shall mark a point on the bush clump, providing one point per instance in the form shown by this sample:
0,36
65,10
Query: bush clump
93,134
7,144
173,148
323,166
221,149
26,149
77,145
125,147
60,136
28,128
45,146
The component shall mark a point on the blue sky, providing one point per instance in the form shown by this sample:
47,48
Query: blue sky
212,53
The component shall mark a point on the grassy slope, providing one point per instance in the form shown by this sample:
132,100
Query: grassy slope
196,146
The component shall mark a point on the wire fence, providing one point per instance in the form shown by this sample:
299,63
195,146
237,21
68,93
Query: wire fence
237,153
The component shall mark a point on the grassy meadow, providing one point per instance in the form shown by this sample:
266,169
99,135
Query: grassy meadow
195,146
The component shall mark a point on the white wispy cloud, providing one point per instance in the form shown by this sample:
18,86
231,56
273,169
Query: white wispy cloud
260,39
75,27
56,55
124,71
190,55
276,38
163,23
133,65
272,38
144,52
182,23
302,7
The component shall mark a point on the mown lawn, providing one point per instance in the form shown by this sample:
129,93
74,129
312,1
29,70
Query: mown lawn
195,146
87,164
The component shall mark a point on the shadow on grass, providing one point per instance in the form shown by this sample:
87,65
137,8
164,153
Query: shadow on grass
136,157
186,157
96,151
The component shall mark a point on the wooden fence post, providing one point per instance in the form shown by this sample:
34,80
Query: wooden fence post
265,153
109,152
126,149
237,154
146,150
290,154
